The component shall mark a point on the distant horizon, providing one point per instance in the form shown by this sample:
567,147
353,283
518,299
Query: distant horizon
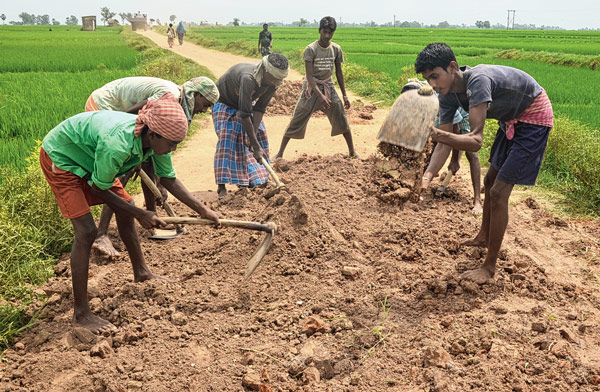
576,15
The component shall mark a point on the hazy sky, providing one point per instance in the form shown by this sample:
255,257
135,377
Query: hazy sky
572,14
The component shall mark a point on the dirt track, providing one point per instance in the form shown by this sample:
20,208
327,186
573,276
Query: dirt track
355,295
196,156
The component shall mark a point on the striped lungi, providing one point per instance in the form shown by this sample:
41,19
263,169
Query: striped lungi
234,163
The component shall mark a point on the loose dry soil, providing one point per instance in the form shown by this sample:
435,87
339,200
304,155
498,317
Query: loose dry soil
359,292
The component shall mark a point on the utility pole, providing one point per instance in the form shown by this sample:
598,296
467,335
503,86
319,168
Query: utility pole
394,20
513,22
508,20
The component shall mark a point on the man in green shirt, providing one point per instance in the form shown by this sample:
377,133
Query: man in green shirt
82,159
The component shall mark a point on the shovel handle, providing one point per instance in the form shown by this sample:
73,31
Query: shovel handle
278,183
150,184
269,227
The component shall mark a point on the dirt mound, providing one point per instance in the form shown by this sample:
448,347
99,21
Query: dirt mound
397,172
355,295
287,95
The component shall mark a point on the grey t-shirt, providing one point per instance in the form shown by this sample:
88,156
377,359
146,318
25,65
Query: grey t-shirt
238,89
508,91
323,59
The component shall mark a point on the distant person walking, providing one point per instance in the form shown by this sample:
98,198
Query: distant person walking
180,32
170,35
265,41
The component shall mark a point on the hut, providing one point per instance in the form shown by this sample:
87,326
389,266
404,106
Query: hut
138,22
88,22
112,22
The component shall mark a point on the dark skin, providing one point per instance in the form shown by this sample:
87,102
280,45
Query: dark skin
439,157
265,28
497,192
251,124
102,242
324,41
85,234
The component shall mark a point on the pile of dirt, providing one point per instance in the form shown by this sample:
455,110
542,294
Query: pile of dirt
354,295
286,96
397,172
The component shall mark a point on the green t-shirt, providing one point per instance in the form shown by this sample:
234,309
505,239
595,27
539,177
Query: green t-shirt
100,146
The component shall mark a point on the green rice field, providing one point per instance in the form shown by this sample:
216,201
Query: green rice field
390,51
46,77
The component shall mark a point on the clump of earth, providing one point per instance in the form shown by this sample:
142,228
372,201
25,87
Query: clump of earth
356,294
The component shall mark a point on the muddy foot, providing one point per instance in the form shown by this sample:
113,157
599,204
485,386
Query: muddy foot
477,209
474,242
479,275
93,323
353,156
221,191
150,275
104,246
277,156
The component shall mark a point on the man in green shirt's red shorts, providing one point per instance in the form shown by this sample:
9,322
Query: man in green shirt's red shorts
82,159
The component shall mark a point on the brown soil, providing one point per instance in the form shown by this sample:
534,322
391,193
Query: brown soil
286,96
356,294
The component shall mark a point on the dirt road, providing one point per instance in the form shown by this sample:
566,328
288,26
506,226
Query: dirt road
197,154
355,295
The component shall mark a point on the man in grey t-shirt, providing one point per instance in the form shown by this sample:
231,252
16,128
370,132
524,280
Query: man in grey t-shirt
524,114
318,93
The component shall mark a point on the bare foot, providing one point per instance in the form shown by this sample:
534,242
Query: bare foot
93,323
474,242
277,156
150,275
104,246
479,275
221,191
477,209
353,155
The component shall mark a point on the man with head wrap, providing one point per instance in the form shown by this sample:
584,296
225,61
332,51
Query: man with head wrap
238,122
130,95
82,159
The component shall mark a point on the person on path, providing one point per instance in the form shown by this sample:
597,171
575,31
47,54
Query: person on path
82,159
460,125
180,32
525,118
265,41
170,35
130,95
245,92
318,92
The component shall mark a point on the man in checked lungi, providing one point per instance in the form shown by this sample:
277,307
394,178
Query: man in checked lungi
245,91
525,118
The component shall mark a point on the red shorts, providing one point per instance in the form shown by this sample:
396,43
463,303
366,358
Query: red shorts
73,193
90,105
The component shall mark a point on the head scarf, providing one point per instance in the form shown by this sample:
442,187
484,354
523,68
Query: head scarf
266,66
181,28
203,85
163,116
